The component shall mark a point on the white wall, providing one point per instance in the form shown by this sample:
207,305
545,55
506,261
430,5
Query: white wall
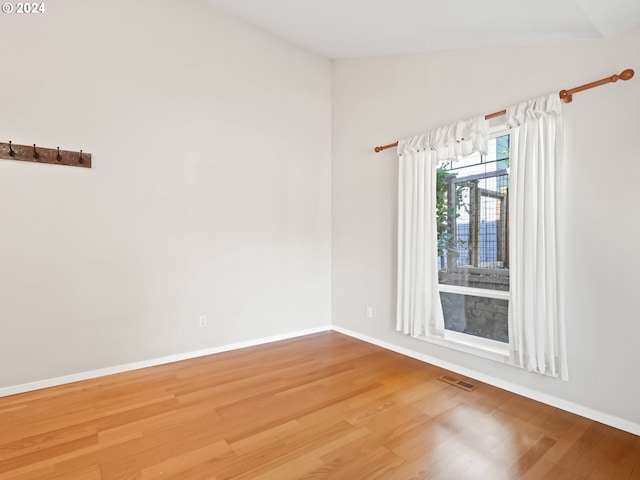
209,192
377,101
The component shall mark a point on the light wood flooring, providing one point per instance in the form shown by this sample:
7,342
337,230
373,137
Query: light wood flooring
324,406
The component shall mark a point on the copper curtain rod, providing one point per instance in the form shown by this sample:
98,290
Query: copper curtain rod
566,95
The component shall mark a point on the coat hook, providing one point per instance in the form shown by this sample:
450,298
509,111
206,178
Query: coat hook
12,152
36,155
81,159
58,157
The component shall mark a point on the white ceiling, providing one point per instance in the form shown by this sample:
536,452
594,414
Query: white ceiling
365,28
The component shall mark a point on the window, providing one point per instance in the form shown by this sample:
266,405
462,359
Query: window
454,245
473,246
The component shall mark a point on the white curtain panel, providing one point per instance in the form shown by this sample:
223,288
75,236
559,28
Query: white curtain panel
419,311
418,306
535,322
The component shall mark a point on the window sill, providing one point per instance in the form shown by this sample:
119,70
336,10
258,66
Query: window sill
470,344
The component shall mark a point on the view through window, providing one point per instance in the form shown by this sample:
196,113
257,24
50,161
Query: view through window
473,242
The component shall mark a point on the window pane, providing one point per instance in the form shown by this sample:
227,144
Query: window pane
473,224
480,316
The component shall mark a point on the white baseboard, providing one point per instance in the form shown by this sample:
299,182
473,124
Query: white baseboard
76,377
576,408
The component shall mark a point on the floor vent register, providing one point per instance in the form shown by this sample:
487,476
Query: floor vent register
456,382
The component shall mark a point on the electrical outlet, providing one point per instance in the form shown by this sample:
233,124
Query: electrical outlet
369,312
203,321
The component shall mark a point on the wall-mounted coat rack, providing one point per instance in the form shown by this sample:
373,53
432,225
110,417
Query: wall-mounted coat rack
33,153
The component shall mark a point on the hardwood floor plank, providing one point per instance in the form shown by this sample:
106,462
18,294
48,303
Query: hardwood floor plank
265,438
324,406
291,469
311,448
186,461
38,453
46,472
40,442
92,472
368,464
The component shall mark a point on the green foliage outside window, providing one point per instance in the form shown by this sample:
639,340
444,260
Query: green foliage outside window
444,214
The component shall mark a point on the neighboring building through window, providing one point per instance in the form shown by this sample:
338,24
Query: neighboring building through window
473,243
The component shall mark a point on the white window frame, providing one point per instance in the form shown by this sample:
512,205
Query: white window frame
465,342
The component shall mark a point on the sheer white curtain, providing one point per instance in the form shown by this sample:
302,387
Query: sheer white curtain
419,311
536,323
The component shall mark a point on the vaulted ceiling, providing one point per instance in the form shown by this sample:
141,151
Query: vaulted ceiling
364,28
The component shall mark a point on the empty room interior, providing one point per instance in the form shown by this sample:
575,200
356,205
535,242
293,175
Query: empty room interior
288,239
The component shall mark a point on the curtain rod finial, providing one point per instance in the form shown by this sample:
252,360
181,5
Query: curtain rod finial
384,147
626,74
